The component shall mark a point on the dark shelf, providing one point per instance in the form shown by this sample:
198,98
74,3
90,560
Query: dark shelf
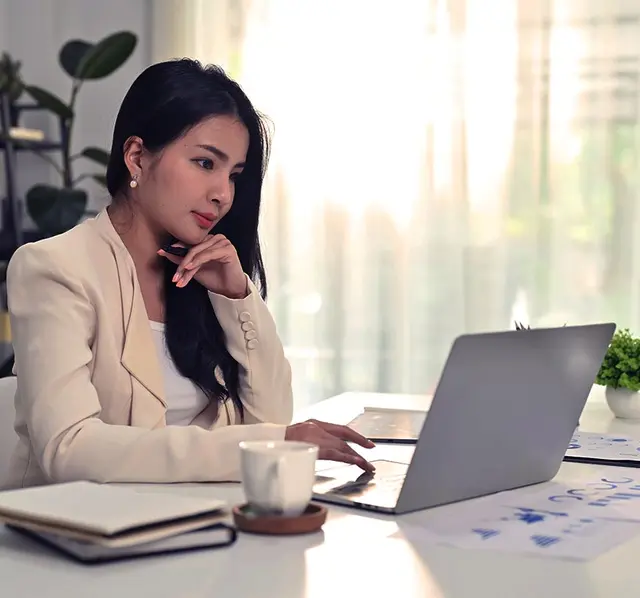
32,145
12,233
7,246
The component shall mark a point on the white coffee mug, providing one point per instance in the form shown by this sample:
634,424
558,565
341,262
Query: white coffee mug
278,476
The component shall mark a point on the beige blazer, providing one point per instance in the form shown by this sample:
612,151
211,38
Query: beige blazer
90,401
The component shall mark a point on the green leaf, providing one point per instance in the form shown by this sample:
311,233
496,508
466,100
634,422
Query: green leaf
101,179
10,80
55,210
15,90
72,54
96,154
106,56
621,364
12,87
49,101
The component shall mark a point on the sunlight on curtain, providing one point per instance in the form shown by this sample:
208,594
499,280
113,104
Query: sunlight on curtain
438,167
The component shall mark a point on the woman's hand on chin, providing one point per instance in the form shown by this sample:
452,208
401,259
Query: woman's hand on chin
214,263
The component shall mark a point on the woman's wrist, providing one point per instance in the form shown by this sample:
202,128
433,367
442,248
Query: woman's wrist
236,294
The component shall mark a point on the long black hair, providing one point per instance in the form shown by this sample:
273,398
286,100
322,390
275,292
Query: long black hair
163,103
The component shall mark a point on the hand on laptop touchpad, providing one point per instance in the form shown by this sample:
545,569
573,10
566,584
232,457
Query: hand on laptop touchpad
350,479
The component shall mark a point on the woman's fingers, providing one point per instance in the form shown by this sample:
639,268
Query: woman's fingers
218,252
331,447
196,249
179,277
214,247
361,461
345,433
334,445
172,258
208,243
184,279
332,454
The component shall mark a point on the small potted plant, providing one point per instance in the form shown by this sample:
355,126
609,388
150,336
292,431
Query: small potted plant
620,375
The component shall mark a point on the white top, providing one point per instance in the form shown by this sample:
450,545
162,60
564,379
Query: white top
184,399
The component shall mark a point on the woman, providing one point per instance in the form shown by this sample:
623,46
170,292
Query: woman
135,364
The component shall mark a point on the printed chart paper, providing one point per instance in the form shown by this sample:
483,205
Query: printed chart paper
564,522
529,531
608,495
591,446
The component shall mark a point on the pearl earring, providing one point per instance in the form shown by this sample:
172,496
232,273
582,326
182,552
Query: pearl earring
134,181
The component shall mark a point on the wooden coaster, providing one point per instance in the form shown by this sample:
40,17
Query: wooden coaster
310,521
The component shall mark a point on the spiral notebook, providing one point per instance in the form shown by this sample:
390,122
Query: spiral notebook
93,522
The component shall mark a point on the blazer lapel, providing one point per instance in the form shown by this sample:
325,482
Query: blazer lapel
139,355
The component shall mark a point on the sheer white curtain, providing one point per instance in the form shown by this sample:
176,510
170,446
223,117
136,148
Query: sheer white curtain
438,167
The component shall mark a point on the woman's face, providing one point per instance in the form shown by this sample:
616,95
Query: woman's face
189,186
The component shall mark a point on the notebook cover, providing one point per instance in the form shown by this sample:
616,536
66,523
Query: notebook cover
225,535
108,514
132,537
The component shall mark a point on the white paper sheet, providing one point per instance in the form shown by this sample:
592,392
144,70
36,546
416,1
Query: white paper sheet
577,522
516,530
591,445
608,495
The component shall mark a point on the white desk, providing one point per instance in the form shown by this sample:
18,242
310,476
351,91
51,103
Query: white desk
356,554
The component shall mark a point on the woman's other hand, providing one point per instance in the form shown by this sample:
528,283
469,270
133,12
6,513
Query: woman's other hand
332,441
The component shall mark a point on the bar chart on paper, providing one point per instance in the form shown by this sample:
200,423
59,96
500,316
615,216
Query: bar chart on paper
578,522
592,447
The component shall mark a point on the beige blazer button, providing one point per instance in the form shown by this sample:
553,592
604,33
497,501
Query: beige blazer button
252,344
246,326
250,335
244,316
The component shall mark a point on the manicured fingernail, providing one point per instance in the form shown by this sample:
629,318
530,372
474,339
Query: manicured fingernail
175,277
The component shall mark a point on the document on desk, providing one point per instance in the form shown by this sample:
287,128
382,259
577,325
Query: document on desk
606,495
574,522
591,447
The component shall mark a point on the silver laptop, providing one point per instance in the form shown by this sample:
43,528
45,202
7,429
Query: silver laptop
502,417
399,426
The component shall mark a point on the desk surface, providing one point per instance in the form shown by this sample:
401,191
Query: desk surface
356,554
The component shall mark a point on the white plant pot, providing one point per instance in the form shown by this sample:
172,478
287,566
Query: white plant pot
623,402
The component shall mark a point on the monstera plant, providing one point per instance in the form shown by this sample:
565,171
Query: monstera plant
56,209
